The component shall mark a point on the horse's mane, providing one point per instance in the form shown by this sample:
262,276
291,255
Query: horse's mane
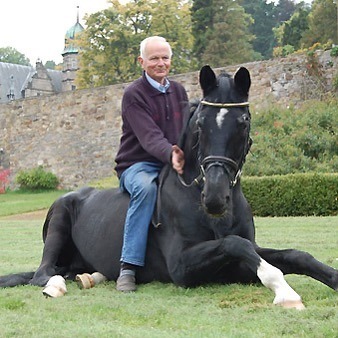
188,114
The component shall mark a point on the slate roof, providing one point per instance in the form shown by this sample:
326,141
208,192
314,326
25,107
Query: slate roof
15,78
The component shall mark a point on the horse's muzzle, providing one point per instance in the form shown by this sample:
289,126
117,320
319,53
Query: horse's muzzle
215,196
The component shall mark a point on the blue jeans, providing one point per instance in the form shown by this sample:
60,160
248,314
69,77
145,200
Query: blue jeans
139,181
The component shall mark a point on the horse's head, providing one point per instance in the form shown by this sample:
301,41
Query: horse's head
223,121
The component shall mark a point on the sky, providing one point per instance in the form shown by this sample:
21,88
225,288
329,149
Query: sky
37,28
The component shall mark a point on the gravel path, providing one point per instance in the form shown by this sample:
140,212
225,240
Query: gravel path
40,214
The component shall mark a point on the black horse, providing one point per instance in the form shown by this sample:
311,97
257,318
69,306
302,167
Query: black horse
205,231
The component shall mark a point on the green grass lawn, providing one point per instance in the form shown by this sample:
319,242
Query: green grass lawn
164,310
15,202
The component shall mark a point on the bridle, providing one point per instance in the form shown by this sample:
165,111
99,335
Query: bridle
227,163
224,105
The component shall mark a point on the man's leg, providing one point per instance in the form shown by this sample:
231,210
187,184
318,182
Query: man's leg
140,181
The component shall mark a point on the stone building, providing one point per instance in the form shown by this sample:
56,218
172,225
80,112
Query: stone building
18,82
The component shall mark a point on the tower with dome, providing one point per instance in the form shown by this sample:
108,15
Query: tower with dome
71,55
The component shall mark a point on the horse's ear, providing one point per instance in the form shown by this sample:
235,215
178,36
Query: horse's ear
242,80
207,79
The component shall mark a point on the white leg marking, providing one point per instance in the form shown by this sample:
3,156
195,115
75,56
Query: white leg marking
220,117
273,278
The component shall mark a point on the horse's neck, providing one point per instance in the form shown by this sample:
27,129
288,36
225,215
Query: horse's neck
190,148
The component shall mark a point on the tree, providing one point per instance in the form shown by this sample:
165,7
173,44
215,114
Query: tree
284,10
294,28
110,44
322,23
11,55
202,14
50,64
228,41
264,18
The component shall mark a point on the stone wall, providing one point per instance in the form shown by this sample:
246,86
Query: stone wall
76,134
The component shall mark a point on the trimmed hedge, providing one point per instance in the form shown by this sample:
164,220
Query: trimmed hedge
313,194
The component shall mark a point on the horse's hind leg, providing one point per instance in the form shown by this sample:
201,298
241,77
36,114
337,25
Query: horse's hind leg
87,281
15,279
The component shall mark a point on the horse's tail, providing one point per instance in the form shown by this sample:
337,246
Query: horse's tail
47,221
16,279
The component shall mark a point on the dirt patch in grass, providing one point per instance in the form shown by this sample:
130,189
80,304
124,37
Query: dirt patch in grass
39,214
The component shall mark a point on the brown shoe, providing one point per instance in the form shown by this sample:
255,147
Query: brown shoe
126,283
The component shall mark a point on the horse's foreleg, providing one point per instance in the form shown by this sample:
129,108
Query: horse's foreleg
57,235
292,261
273,278
56,287
205,259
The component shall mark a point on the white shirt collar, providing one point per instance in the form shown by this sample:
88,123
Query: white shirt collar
158,86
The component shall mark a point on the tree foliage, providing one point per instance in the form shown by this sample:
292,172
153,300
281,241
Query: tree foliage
290,33
222,37
217,32
110,44
322,23
294,28
202,19
264,18
284,10
11,55
50,64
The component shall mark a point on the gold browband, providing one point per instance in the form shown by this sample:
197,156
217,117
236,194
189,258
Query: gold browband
225,105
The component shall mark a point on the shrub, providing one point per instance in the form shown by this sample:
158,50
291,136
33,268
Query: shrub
37,179
293,195
287,141
334,51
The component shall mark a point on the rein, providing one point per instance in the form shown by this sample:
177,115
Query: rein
223,161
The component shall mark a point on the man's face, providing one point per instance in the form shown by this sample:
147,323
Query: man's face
157,60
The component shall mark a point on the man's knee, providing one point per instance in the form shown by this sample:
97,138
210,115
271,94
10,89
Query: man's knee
147,188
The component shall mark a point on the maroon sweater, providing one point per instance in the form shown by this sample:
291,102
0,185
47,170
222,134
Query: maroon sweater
152,123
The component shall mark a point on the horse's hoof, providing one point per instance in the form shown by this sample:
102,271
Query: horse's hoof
87,281
98,277
292,304
56,287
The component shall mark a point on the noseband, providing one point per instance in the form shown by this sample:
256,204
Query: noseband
222,161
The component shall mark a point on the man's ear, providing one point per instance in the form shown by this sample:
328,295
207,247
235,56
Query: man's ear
140,60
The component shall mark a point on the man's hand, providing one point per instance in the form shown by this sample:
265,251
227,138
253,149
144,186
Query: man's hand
177,159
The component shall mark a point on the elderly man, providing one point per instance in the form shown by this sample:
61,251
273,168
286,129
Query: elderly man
152,115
